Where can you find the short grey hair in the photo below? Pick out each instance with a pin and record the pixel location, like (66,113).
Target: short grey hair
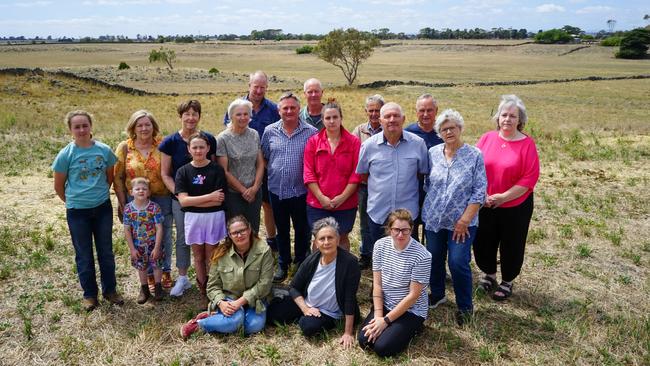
(258,74)
(239,103)
(377,98)
(312,81)
(391,105)
(426,96)
(508,101)
(449,115)
(326,222)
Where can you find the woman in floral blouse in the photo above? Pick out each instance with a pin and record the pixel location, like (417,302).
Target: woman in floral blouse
(139,156)
(455,193)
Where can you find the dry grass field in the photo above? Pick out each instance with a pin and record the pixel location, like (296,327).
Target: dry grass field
(582,297)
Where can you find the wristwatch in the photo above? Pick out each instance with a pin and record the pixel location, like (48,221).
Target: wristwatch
(387,320)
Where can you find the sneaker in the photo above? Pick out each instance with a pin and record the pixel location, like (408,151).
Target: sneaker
(167,281)
(159,293)
(189,328)
(182,284)
(463,317)
(114,298)
(151,282)
(144,295)
(280,275)
(435,302)
(90,303)
(365,262)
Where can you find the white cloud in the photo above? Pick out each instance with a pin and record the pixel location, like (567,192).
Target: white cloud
(120,2)
(594,9)
(394,2)
(549,8)
(31,4)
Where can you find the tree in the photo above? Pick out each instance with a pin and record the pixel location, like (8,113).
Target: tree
(346,49)
(165,55)
(574,31)
(634,44)
(553,36)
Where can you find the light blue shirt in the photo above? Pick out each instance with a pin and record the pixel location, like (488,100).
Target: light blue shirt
(321,292)
(85,170)
(392,173)
(453,185)
(284,155)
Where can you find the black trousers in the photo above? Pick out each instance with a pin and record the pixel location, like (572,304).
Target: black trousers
(286,311)
(395,338)
(505,230)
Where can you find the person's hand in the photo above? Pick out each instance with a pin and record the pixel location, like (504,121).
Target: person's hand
(374,329)
(249,194)
(120,212)
(218,196)
(496,200)
(325,202)
(135,255)
(461,231)
(347,341)
(336,202)
(312,312)
(156,253)
(227,307)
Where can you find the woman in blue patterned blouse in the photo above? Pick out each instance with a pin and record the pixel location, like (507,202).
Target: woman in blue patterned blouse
(456,190)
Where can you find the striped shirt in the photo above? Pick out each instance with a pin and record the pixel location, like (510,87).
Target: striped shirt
(284,155)
(400,268)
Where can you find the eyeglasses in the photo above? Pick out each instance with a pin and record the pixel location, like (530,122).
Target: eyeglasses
(238,232)
(448,129)
(288,95)
(404,231)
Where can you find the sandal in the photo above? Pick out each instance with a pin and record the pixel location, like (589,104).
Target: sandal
(503,292)
(487,283)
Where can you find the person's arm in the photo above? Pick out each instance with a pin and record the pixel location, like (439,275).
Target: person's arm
(166,172)
(109,176)
(350,189)
(232,181)
(322,199)
(59,184)
(262,287)
(157,250)
(347,339)
(376,325)
(206,200)
(119,174)
(129,241)
(513,193)
(306,310)
(461,231)
(214,287)
(350,306)
(415,289)
(259,175)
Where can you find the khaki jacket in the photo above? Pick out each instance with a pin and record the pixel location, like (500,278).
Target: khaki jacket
(231,278)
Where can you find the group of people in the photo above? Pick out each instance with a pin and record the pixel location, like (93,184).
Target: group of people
(302,168)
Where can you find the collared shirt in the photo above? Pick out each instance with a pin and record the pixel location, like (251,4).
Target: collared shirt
(430,138)
(316,121)
(235,277)
(267,114)
(453,185)
(364,131)
(332,172)
(392,174)
(284,155)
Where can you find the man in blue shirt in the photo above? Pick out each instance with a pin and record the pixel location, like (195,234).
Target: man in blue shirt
(264,113)
(426,108)
(283,146)
(392,162)
(311,113)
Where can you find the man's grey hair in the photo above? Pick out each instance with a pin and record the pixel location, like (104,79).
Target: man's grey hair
(375,99)
(312,81)
(258,74)
(426,96)
(391,105)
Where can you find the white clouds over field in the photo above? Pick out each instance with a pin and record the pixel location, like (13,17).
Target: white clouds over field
(167,17)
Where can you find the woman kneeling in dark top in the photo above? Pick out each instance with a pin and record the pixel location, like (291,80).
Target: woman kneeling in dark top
(324,290)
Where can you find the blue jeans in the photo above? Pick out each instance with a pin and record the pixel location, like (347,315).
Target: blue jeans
(441,246)
(295,210)
(165,203)
(84,225)
(245,316)
(363,220)
(183,256)
(376,232)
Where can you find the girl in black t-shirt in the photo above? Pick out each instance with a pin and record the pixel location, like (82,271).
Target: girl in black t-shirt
(200,187)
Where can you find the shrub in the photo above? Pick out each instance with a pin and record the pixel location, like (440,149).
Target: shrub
(213,70)
(612,41)
(123,66)
(304,49)
(634,44)
(553,36)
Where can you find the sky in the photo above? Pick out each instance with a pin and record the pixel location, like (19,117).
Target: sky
(200,17)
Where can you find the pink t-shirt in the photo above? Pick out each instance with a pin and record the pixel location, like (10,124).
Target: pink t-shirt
(509,163)
(332,172)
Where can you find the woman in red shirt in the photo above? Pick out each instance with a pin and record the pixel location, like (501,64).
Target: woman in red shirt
(329,172)
(512,169)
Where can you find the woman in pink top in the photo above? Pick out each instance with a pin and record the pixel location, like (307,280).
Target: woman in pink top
(329,172)
(512,169)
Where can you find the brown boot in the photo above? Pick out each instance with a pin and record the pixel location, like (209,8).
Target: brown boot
(204,295)
(159,293)
(145,294)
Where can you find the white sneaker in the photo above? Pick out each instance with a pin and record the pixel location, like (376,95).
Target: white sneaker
(182,284)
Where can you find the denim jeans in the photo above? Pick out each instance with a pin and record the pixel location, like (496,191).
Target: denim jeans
(295,210)
(84,225)
(441,246)
(165,203)
(183,256)
(376,232)
(245,316)
(363,221)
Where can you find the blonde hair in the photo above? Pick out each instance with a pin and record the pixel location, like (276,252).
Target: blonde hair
(130,126)
(140,180)
(399,214)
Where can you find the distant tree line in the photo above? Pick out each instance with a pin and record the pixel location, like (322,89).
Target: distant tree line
(476,33)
